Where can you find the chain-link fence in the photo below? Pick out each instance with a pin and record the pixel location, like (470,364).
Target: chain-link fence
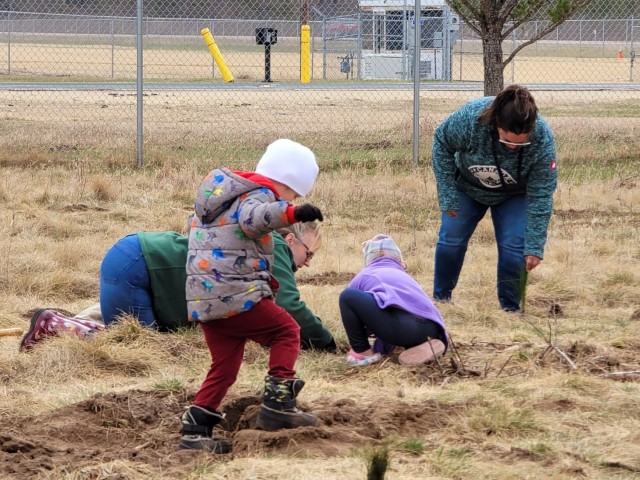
(68,67)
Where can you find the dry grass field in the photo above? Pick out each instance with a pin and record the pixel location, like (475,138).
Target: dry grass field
(502,405)
(187,59)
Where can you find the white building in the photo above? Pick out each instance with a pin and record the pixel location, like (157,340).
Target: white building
(389,39)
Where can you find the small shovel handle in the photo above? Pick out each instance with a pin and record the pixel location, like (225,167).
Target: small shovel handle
(6,332)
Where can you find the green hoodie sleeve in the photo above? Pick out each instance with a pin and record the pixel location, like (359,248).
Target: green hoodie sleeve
(312,332)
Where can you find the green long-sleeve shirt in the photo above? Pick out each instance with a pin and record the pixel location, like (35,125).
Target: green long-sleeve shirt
(312,332)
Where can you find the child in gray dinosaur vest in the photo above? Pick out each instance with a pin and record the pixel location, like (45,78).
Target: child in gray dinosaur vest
(230,288)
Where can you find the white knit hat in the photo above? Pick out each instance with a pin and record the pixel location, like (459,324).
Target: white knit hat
(291,164)
(381,246)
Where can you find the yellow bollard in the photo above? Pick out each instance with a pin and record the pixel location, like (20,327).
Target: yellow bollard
(217,56)
(305,54)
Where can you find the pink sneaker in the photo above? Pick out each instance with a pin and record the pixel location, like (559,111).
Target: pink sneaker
(424,353)
(40,328)
(359,360)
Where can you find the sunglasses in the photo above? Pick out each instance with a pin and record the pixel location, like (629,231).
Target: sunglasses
(514,144)
(309,253)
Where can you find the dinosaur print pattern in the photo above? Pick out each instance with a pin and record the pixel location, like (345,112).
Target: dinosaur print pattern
(240,260)
(230,244)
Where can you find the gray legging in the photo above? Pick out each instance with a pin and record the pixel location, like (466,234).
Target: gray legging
(361,315)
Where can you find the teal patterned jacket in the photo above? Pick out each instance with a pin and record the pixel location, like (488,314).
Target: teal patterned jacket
(230,252)
(463,157)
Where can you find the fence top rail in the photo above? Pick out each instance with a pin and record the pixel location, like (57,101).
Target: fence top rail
(289,86)
(157,19)
(631,18)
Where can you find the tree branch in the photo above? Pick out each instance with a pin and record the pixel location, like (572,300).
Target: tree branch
(550,28)
(471,16)
(506,10)
(549,342)
(623,375)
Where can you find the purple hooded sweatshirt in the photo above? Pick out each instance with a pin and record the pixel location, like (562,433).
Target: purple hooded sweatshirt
(391,286)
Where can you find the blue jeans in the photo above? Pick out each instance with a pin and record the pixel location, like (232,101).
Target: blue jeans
(361,315)
(125,286)
(509,222)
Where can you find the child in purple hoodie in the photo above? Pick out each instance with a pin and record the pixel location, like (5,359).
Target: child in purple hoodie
(385,301)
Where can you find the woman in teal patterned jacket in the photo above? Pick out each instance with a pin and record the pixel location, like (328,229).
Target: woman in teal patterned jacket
(494,153)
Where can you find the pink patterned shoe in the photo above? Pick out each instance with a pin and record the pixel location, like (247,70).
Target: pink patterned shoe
(424,353)
(358,360)
(40,328)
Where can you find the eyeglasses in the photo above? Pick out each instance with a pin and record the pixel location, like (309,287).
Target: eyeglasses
(309,252)
(514,144)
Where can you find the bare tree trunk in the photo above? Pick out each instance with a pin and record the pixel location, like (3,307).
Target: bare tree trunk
(493,71)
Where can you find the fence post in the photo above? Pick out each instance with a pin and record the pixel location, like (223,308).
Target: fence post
(580,39)
(417,44)
(359,46)
(139,85)
(213,60)
(602,38)
(461,37)
(324,48)
(405,39)
(113,47)
(9,22)
(626,33)
(313,48)
(513,60)
(632,31)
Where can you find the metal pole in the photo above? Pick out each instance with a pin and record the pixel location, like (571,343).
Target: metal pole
(213,60)
(324,48)
(446,44)
(359,44)
(580,35)
(9,45)
(139,89)
(417,14)
(513,60)
(267,62)
(461,36)
(405,40)
(304,12)
(632,32)
(113,47)
(602,38)
(313,49)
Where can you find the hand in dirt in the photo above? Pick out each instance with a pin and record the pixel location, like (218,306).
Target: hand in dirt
(531,262)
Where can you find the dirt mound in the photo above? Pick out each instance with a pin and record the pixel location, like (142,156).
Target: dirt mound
(141,429)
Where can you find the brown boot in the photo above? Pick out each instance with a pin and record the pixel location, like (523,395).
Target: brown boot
(279,406)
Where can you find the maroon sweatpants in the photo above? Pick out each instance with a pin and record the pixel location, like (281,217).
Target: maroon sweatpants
(267,324)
